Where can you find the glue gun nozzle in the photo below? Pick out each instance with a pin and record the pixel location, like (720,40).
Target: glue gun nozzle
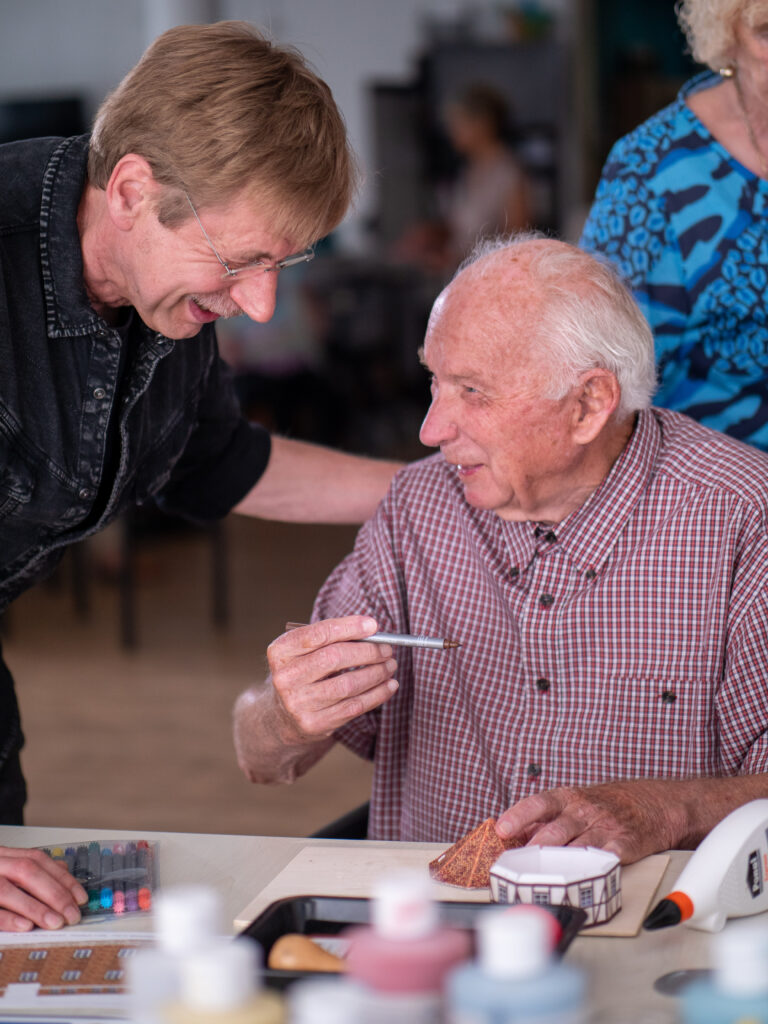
(663,915)
(450,643)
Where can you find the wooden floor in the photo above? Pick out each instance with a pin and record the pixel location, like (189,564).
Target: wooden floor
(142,739)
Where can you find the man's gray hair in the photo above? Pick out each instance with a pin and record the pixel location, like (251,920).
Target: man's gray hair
(589,317)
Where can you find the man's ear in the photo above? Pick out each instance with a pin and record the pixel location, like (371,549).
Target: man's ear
(597,396)
(130,189)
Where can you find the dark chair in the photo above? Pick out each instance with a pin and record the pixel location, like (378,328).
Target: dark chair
(81,573)
(352,825)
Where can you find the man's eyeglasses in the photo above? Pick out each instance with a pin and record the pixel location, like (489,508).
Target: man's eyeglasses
(230,272)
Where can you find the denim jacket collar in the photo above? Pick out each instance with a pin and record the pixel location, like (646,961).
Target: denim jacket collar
(69,312)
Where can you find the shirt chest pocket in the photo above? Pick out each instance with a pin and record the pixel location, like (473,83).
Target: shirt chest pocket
(638,726)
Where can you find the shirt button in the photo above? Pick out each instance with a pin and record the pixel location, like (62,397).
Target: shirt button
(546,600)
(668,697)
(550,536)
(99,393)
(590,574)
(514,572)
(542,684)
(84,493)
(534,770)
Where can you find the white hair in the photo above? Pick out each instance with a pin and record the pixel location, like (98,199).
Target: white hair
(710,27)
(589,318)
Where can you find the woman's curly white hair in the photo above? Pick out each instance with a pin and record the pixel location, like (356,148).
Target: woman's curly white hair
(710,27)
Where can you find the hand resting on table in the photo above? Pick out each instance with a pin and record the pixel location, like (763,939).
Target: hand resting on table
(36,890)
(632,818)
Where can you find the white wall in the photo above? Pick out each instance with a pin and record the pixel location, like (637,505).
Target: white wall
(86,46)
(350,43)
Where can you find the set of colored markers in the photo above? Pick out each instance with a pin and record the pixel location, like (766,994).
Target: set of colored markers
(118,876)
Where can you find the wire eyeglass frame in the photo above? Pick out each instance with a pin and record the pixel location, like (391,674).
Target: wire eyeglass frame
(235,272)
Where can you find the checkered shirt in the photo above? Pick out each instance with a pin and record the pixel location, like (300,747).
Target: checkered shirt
(630,640)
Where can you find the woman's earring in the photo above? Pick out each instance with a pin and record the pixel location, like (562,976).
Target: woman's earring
(727,72)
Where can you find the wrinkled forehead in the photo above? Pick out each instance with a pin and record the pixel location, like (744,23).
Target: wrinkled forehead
(493,313)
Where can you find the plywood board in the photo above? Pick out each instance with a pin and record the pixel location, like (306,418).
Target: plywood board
(330,870)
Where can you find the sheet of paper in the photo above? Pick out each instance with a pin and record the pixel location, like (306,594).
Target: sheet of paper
(16,1019)
(37,968)
(72,936)
(329,870)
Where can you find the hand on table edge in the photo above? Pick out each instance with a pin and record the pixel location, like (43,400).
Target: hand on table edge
(319,682)
(632,818)
(36,890)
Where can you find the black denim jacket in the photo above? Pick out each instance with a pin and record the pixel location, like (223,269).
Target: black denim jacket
(182,439)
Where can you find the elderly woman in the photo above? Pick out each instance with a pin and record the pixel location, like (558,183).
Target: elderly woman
(682,210)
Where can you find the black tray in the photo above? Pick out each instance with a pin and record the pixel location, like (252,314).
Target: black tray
(329,915)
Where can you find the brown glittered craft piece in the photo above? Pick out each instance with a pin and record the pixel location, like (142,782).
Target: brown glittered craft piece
(80,967)
(468,862)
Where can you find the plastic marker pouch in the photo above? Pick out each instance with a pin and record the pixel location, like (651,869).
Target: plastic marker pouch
(727,875)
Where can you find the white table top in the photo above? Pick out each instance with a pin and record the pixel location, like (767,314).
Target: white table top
(621,971)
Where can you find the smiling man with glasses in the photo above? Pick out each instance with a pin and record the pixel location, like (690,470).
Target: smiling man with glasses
(263,265)
(216,163)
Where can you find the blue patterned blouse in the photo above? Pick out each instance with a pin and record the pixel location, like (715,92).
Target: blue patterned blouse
(687,226)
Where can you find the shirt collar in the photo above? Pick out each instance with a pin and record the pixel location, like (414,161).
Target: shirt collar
(699,82)
(588,535)
(68,310)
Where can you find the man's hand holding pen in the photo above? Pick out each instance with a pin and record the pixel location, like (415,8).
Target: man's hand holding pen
(324,676)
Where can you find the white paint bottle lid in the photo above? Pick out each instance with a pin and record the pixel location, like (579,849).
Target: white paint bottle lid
(403,907)
(186,917)
(740,958)
(222,976)
(516,942)
(325,1001)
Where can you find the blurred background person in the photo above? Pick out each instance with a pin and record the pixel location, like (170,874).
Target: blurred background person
(490,192)
(680,209)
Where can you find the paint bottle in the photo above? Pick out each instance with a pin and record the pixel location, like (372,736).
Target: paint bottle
(186,918)
(737,991)
(402,960)
(220,984)
(516,979)
(725,877)
(326,1001)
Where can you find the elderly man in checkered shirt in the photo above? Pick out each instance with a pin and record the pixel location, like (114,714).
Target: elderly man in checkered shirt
(602,562)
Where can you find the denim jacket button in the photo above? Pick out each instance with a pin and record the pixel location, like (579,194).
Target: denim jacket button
(84,493)
(99,393)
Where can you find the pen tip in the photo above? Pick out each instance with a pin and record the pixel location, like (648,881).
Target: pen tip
(452,643)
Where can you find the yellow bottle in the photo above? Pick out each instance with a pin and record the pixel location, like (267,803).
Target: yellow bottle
(220,985)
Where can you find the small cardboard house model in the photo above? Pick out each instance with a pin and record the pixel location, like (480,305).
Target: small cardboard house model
(572,876)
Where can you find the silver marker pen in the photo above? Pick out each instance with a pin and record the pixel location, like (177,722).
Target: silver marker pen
(398,639)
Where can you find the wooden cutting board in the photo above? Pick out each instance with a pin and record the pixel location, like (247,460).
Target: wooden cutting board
(331,870)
